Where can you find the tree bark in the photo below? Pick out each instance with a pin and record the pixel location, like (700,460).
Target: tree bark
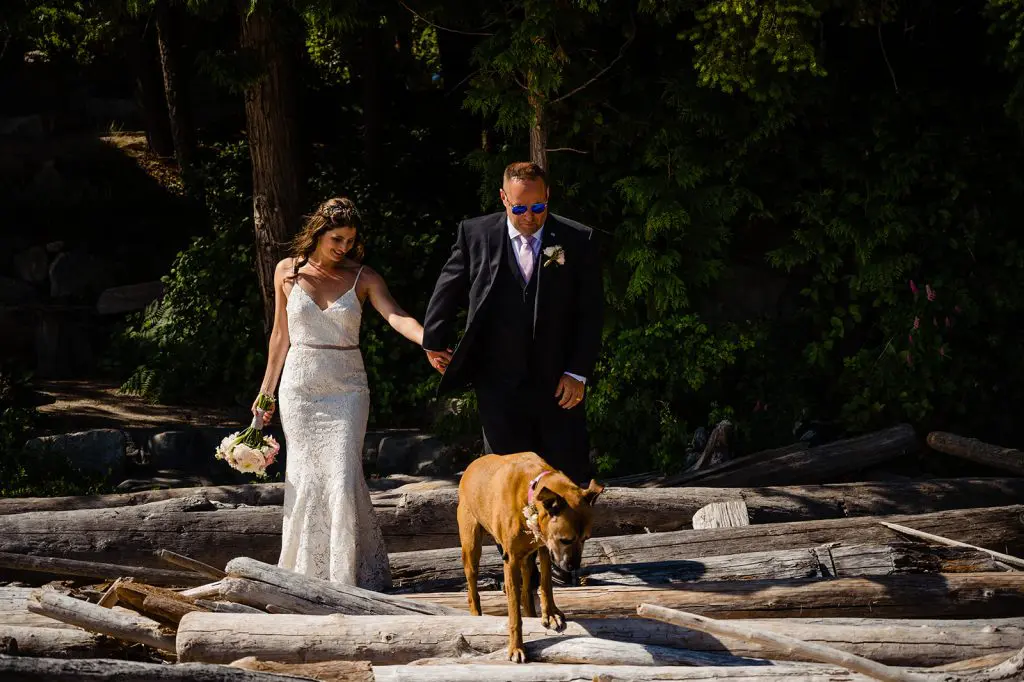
(964,595)
(538,126)
(16,668)
(270,125)
(1000,527)
(974,450)
(176,86)
(391,640)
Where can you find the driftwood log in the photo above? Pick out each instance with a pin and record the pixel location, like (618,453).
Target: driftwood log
(347,599)
(65,642)
(775,641)
(126,626)
(14,609)
(22,669)
(252,494)
(964,595)
(388,640)
(835,560)
(335,671)
(425,520)
(1000,528)
(814,465)
(93,569)
(974,450)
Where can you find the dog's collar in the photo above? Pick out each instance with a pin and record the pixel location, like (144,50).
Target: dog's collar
(531,490)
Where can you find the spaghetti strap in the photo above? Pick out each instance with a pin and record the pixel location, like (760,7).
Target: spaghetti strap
(357,277)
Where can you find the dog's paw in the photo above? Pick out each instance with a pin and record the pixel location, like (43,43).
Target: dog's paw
(554,620)
(517,654)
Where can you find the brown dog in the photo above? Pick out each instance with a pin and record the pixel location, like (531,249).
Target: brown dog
(528,508)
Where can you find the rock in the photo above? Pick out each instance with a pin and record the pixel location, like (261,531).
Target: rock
(173,449)
(128,298)
(22,126)
(74,274)
(433,458)
(419,453)
(99,451)
(32,265)
(15,292)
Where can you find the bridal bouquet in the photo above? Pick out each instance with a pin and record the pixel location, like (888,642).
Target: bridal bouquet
(249,451)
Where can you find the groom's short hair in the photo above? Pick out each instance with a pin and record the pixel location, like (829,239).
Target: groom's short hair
(525,170)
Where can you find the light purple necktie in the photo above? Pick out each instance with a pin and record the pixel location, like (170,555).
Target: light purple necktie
(526,256)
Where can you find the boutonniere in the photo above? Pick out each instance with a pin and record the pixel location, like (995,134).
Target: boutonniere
(555,254)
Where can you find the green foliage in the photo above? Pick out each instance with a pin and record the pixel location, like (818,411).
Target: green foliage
(652,378)
(25,474)
(203,341)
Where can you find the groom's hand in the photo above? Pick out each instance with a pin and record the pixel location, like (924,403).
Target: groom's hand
(569,392)
(439,359)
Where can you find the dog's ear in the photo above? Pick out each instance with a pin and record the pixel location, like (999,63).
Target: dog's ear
(552,501)
(592,492)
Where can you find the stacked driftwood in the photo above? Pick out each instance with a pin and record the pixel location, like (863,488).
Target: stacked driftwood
(798,579)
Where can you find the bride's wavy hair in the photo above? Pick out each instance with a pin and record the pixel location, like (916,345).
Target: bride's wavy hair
(332,214)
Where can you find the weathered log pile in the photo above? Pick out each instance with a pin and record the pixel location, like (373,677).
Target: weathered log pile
(806,580)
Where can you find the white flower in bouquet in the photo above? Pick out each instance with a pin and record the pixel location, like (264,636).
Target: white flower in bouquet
(249,451)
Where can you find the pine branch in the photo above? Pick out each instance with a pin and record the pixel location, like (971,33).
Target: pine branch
(622,52)
(438,26)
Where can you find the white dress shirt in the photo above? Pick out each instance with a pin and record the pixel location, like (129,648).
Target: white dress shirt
(517,239)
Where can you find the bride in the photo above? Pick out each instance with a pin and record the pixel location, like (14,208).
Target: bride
(329,530)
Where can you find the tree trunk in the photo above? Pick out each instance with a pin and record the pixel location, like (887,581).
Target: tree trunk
(951,595)
(270,125)
(373,90)
(251,494)
(538,126)
(14,610)
(974,450)
(145,58)
(176,86)
(997,527)
(391,640)
(16,668)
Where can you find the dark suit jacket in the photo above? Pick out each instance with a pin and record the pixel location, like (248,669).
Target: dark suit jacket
(568,311)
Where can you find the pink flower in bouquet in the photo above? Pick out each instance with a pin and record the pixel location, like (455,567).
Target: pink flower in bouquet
(270,449)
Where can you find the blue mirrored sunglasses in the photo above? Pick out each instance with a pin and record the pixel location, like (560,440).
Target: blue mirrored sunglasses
(519,209)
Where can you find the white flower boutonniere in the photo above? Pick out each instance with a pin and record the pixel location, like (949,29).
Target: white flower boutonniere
(555,254)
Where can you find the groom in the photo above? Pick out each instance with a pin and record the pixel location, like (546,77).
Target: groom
(532,281)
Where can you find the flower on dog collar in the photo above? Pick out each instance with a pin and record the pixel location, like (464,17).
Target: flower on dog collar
(530,510)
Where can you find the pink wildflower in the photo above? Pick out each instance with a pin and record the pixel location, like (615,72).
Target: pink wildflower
(913,287)
(930,292)
(948,323)
(917,323)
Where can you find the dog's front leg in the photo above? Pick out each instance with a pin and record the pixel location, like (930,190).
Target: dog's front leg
(513,590)
(529,607)
(551,617)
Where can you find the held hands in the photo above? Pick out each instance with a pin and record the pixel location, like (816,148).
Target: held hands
(439,359)
(268,411)
(569,392)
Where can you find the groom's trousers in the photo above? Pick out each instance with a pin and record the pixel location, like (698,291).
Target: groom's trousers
(527,418)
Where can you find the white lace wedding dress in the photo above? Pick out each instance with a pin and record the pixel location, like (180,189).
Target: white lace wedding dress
(330,530)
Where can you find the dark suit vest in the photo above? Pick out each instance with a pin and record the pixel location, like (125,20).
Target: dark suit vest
(505,352)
